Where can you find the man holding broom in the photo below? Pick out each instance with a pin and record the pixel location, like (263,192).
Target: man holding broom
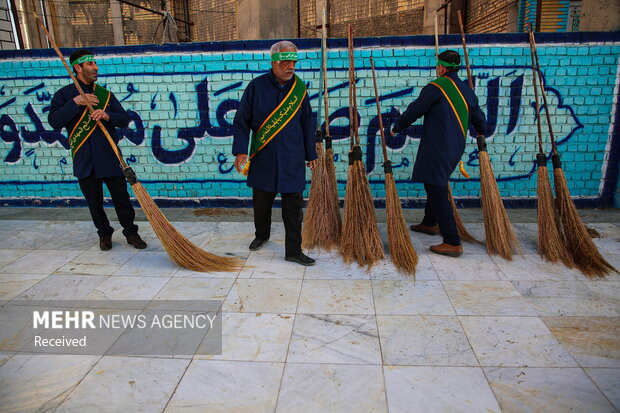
(276,110)
(94,161)
(448,105)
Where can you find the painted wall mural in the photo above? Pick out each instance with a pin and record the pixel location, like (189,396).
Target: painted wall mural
(182,100)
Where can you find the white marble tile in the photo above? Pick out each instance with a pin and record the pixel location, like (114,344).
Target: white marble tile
(545,390)
(16,326)
(261,266)
(40,382)
(7,256)
(331,388)
(135,384)
(411,298)
(349,339)
(608,382)
(40,262)
(514,341)
(148,264)
(563,298)
(466,267)
(263,296)
(592,341)
(424,340)
(608,291)
(533,267)
(11,289)
(17,224)
(195,289)
(63,287)
(487,298)
(253,337)
(438,389)
(97,262)
(53,236)
(228,386)
(127,288)
(336,297)
(332,267)
(608,245)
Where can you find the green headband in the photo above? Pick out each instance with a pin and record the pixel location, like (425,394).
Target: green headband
(446,64)
(278,57)
(87,58)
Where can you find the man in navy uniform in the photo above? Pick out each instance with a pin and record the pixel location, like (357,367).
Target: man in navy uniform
(94,161)
(448,106)
(275,110)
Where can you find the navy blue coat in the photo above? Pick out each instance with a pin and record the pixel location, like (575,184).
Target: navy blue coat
(280,166)
(96,154)
(442,144)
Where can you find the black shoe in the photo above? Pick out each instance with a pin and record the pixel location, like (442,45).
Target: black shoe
(257,243)
(301,258)
(105,243)
(136,241)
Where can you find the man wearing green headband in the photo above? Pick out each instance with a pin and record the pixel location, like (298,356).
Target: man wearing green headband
(274,120)
(94,162)
(448,106)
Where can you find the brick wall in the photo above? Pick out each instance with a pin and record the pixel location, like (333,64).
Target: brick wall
(195,88)
(485,16)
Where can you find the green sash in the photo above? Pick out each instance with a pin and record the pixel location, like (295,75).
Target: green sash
(277,120)
(456,100)
(85,126)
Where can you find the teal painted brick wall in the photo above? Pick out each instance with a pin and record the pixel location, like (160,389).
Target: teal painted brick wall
(167,92)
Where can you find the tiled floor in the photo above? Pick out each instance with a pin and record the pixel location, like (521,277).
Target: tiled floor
(473,334)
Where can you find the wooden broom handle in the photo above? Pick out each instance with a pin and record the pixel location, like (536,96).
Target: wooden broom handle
(324,69)
(540,145)
(374,82)
(81,91)
(352,91)
(471,82)
(542,92)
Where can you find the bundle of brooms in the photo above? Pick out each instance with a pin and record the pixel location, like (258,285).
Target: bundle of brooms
(180,250)
(402,252)
(499,233)
(582,249)
(551,244)
(360,240)
(464,235)
(322,227)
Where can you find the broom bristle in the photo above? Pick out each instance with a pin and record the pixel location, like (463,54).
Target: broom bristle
(360,240)
(460,227)
(322,224)
(500,236)
(584,252)
(181,250)
(402,252)
(551,244)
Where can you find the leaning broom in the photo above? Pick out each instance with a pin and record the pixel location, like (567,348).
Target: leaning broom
(180,250)
(360,240)
(551,243)
(322,226)
(402,252)
(500,236)
(583,251)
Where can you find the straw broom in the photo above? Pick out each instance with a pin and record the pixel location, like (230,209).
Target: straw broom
(322,225)
(464,235)
(551,244)
(402,252)
(582,249)
(360,240)
(500,236)
(180,250)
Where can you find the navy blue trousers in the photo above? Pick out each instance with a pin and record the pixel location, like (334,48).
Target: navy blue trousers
(439,212)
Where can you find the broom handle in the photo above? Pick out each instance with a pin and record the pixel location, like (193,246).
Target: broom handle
(374,82)
(544,95)
(540,145)
(79,88)
(320,112)
(352,91)
(324,70)
(469,78)
(436,39)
